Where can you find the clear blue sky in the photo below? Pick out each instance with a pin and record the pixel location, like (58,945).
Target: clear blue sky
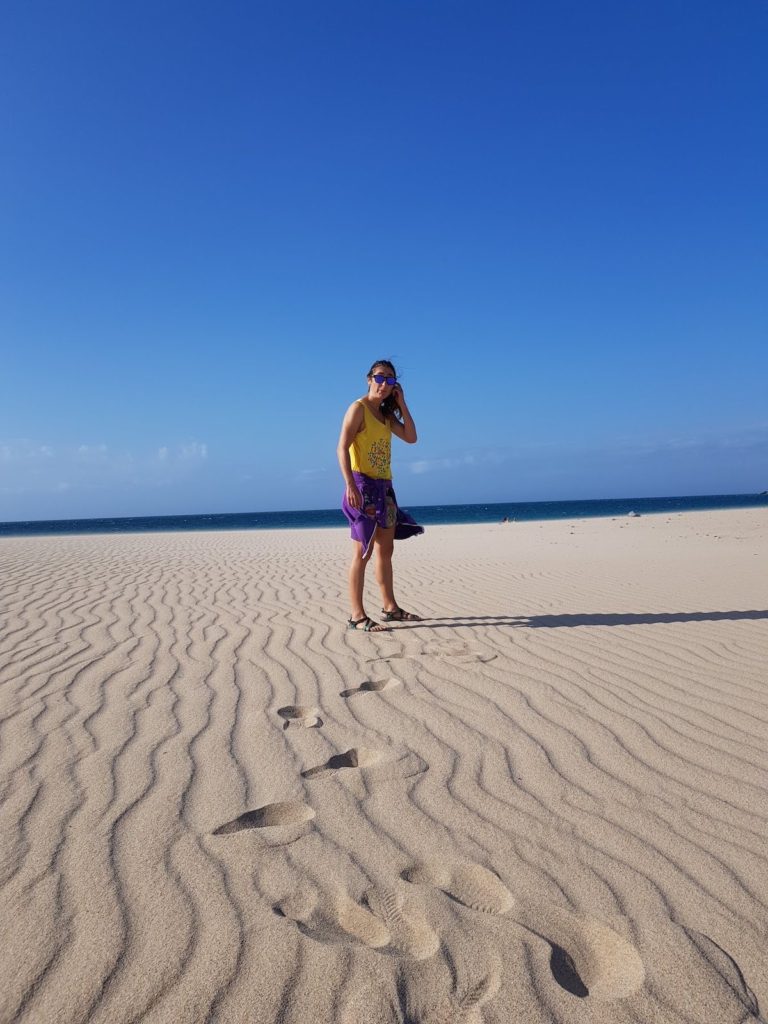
(213,217)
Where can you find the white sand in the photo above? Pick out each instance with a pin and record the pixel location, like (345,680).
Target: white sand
(546,803)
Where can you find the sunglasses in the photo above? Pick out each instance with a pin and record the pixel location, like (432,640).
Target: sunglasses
(381,379)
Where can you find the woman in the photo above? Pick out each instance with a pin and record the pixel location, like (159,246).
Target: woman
(369,501)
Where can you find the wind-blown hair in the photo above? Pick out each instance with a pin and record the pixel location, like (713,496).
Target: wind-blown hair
(389,407)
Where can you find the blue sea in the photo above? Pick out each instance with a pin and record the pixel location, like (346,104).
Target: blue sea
(427,515)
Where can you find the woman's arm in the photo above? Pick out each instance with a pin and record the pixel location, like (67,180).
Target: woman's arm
(406,430)
(352,425)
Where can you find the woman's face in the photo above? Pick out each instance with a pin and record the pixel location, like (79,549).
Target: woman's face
(376,390)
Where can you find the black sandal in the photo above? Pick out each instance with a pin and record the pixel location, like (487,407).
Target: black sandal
(369,627)
(399,615)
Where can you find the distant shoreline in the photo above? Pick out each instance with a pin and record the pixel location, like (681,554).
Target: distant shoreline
(428,515)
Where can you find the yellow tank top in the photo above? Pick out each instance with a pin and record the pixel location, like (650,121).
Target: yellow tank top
(370,452)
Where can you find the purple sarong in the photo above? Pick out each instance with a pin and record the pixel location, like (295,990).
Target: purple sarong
(363,521)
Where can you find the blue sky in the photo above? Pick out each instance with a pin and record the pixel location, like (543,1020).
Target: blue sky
(213,217)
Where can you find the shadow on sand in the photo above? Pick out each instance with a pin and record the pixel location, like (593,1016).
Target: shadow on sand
(593,619)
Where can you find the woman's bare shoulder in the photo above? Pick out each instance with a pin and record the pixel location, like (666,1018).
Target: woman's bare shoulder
(356,408)
(354,413)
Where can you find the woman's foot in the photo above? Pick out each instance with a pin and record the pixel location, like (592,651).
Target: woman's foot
(367,625)
(399,615)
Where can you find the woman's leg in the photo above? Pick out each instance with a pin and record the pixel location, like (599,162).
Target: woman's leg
(357,578)
(384,542)
(356,584)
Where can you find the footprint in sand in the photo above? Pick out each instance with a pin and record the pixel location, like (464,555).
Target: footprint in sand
(470,884)
(290,812)
(384,924)
(372,686)
(333,918)
(457,651)
(410,934)
(588,959)
(375,764)
(301,715)
(355,757)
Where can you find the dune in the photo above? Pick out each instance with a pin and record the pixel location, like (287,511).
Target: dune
(548,801)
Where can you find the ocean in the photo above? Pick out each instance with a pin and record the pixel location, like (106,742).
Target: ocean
(427,515)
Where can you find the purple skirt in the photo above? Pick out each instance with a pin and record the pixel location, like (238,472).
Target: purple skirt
(377,510)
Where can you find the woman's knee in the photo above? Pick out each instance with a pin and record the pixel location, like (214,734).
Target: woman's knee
(385,545)
(359,556)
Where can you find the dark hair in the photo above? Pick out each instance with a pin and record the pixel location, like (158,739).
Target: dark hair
(389,406)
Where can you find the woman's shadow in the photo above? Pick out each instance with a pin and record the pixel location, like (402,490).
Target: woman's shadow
(588,619)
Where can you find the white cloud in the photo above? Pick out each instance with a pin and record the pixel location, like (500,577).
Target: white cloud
(545,452)
(92,452)
(33,467)
(190,452)
(448,462)
(193,450)
(23,450)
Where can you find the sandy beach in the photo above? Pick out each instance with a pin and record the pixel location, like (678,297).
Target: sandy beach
(548,802)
